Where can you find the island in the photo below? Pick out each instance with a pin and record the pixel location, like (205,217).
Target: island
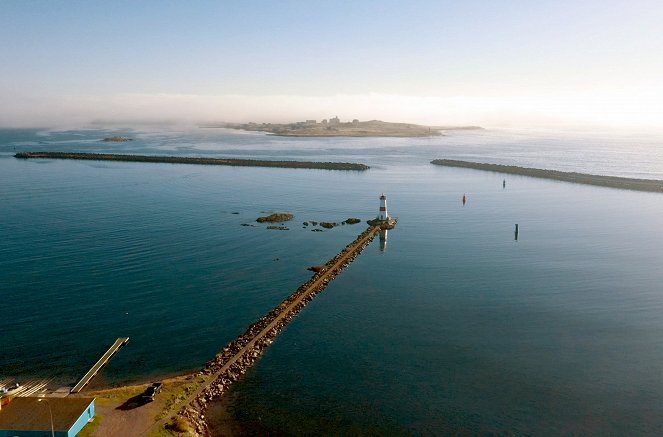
(652,185)
(190,160)
(116,139)
(334,127)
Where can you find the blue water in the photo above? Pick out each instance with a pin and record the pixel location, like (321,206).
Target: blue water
(455,328)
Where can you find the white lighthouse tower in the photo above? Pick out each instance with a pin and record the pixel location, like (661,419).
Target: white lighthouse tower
(383,220)
(383,208)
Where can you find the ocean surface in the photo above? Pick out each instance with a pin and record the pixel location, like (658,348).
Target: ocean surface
(455,327)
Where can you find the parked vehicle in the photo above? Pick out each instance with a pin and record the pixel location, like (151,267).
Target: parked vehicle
(152,391)
(10,390)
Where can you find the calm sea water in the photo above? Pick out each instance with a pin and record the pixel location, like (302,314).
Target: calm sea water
(455,327)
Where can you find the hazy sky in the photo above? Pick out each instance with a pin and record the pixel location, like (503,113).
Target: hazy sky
(483,62)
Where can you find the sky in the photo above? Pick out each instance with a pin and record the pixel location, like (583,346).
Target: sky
(470,62)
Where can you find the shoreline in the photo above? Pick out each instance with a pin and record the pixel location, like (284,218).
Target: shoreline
(649,185)
(191,160)
(188,396)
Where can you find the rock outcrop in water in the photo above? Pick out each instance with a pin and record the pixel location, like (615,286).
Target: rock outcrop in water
(278,217)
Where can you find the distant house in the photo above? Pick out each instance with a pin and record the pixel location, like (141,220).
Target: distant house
(310,122)
(31,416)
(355,122)
(334,120)
(324,122)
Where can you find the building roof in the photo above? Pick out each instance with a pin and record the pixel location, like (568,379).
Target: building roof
(31,413)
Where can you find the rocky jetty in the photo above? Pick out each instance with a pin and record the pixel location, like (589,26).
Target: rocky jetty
(198,161)
(389,223)
(578,178)
(238,356)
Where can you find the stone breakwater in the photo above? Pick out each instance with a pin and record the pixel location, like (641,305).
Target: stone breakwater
(236,358)
(198,161)
(652,185)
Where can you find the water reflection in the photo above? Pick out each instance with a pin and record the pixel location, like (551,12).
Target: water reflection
(383,240)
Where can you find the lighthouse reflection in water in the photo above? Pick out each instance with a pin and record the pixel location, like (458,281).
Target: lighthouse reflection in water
(383,240)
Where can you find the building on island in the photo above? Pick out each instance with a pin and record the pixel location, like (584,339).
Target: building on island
(42,417)
(334,120)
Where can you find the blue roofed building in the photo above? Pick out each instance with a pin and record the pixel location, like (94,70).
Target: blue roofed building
(37,416)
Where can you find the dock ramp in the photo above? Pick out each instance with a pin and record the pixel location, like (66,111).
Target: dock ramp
(105,358)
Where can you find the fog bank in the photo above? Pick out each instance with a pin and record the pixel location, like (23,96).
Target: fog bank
(16,111)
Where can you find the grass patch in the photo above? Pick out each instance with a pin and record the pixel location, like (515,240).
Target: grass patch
(113,396)
(89,429)
(178,393)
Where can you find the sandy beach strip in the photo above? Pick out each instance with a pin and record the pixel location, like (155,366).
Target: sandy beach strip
(651,185)
(192,160)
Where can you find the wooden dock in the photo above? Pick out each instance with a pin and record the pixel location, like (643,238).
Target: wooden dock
(105,358)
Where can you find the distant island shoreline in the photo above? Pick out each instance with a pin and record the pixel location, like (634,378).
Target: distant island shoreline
(190,160)
(650,185)
(335,128)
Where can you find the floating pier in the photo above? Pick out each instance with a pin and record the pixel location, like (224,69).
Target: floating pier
(105,358)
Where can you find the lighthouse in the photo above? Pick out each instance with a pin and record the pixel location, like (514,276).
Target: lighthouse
(383,220)
(383,208)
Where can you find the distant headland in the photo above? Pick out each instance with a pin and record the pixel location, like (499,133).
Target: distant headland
(191,160)
(334,127)
(652,185)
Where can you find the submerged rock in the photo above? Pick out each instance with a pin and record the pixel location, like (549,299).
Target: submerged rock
(117,139)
